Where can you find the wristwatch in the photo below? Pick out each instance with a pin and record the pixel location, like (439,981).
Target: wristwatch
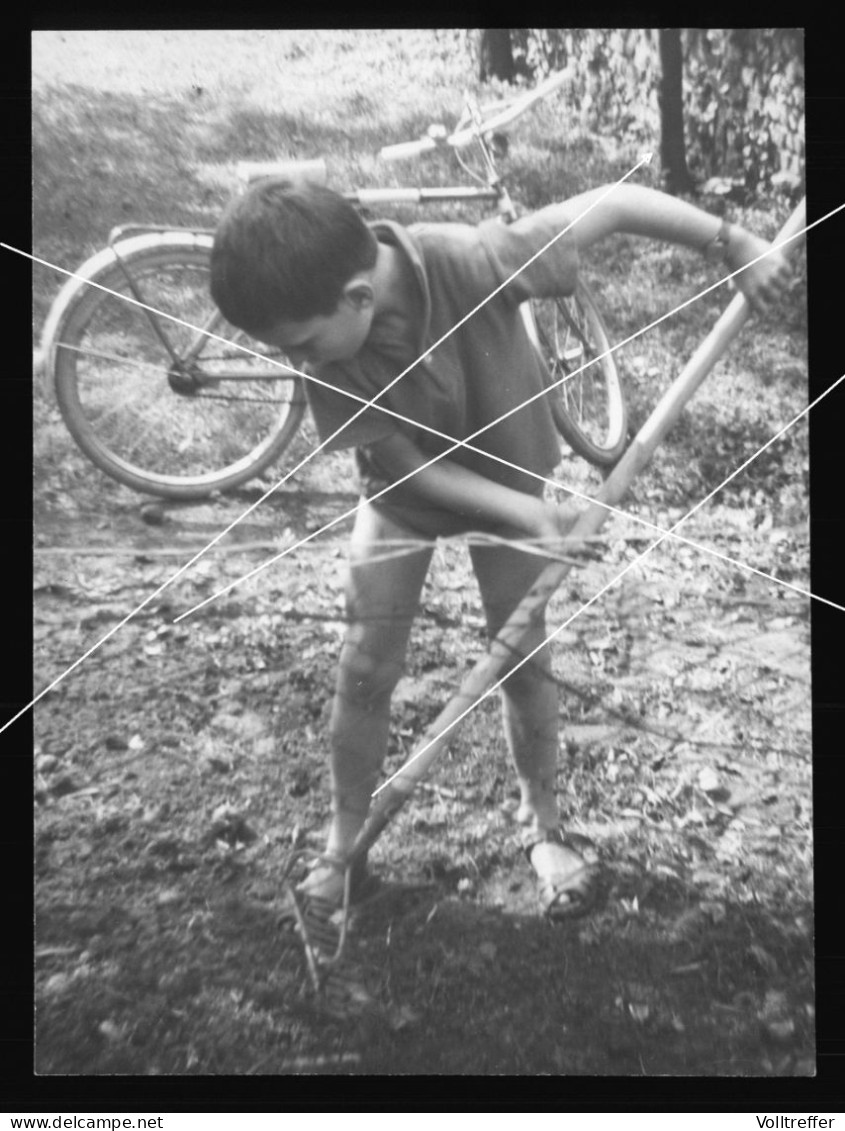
(714,250)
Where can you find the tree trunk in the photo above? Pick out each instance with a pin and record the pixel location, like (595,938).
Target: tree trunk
(495,54)
(673,155)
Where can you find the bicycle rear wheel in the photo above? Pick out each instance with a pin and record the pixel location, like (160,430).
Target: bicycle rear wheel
(154,403)
(588,405)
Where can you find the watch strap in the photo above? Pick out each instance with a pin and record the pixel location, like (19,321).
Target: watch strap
(714,249)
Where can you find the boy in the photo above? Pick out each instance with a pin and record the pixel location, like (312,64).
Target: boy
(296,267)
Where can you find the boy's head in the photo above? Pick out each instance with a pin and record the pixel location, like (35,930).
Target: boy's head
(292,265)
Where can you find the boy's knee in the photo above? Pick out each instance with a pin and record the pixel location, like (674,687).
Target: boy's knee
(364,677)
(521,677)
(518,682)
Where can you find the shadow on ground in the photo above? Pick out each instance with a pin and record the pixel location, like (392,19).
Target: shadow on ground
(209,977)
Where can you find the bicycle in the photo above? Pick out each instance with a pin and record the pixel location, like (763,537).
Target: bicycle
(166,409)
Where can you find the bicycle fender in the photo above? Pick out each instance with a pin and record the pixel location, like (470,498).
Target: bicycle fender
(85,276)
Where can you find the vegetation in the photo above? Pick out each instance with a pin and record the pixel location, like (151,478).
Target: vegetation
(743,100)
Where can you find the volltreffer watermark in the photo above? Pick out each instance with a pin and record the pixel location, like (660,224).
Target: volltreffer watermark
(777,1121)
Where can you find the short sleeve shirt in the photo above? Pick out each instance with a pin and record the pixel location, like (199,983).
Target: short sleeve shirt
(471,377)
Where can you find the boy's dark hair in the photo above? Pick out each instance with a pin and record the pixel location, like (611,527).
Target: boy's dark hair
(285,251)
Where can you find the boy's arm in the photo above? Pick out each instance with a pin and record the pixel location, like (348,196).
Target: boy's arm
(456,488)
(646,212)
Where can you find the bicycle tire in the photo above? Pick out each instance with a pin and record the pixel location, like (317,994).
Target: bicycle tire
(209,418)
(589,407)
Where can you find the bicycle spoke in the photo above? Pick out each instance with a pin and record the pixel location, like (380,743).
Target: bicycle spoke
(215,323)
(120,359)
(137,439)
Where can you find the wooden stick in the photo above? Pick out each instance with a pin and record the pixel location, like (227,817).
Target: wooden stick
(530,610)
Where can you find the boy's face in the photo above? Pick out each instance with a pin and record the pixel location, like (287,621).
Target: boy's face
(327,337)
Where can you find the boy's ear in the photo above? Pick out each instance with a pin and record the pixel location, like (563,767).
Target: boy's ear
(359,292)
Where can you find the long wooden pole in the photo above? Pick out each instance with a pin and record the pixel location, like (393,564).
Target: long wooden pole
(530,610)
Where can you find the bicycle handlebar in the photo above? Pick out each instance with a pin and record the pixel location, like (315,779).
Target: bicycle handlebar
(405,149)
(465,136)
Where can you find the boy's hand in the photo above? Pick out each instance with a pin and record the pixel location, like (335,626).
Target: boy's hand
(766,283)
(551,524)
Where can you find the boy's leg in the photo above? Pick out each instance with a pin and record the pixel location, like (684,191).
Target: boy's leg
(382,595)
(529,695)
(530,708)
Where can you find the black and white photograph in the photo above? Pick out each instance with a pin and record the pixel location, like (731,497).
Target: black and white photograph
(422,591)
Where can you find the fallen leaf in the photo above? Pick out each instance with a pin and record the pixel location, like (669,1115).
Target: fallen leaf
(63,785)
(763,959)
(781,1031)
(690,968)
(714,908)
(705,876)
(56,983)
(708,780)
(775,1004)
(402,1016)
(111,1031)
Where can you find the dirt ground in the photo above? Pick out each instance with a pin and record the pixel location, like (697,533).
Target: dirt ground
(179,766)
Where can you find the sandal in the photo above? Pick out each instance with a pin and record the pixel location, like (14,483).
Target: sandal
(567,895)
(327,878)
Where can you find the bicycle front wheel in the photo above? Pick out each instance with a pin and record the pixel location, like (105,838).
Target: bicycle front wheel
(172,408)
(588,405)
